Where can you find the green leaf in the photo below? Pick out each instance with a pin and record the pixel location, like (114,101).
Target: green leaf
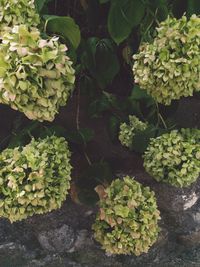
(88,54)
(138,94)
(98,106)
(23,136)
(123,16)
(193,7)
(88,197)
(141,139)
(113,127)
(101,104)
(53,130)
(64,26)
(81,136)
(100,59)
(97,173)
(107,64)
(103,1)
(39,4)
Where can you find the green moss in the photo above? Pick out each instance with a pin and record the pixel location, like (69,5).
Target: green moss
(127,222)
(34,179)
(174,157)
(168,68)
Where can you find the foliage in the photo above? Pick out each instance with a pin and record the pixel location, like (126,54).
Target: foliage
(15,12)
(64,26)
(123,16)
(36,75)
(127,222)
(100,60)
(174,157)
(34,179)
(128,131)
(168,68)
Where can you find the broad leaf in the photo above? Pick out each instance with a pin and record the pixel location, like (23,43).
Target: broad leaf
(123,16)
(66,27)
(100,59)
(141,139)
(193,7)
(103,1)
(97,174)
(81,136)
(39,4)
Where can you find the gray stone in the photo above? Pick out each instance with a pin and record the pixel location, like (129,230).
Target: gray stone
(84,239)
(57,240)
(191,239)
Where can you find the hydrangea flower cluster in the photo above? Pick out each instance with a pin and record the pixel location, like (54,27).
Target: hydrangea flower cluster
(174,157)
(16,12)
(127,222)
(34,179)
(128,131)
(36,76)
(169,68)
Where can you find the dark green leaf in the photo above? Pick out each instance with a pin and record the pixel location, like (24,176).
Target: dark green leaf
(96,174)
(113,127)
(141,139)
(53,130)
(98,106)
(81,136)
(107,64)
(100,59)
(64,26)
(138,94)
(40,4)
(88,196)
(123,16)
(88,55)
(22,137)
(193,7)
(103,1)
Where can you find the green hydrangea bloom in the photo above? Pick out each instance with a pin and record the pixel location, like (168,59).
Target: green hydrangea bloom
(127,222)
(174,157)
(36,76)
(128,131)
(15,12)
(169,68)
(34,179)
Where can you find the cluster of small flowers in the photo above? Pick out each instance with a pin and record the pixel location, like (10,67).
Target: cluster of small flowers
(36,75)
(169,67)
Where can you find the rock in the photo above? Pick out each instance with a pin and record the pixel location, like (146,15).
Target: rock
(84,239)
(188,221)
(57,240)
(12,253)
(192,239)
(188,115)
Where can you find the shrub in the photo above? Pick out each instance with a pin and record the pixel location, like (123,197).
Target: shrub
(15,12)
(174,157)
(34,179)
(36,76)
(128,218)
(127,131)
(168,68)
